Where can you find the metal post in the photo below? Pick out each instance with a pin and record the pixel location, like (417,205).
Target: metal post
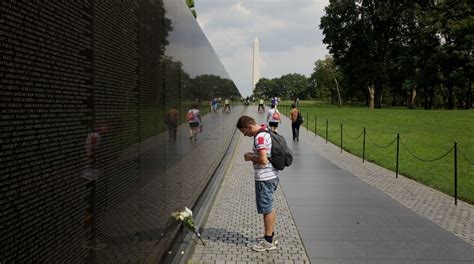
(341,137)
(327,122)
(455,173)
(307,121)
(398,153)
(363,148)
(315,126)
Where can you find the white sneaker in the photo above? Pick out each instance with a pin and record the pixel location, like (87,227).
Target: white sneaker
(275,241)
(263,245)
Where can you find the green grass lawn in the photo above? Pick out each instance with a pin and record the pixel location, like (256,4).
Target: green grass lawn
(427,134)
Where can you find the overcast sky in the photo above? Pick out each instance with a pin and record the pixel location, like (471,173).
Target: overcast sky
(288,32)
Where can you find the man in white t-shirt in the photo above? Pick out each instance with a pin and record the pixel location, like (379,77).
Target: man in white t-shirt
(266,178)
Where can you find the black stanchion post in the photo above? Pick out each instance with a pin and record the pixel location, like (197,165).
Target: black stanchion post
(363,148)
(455,173)
(315,128)
(307,121)
(327,122)
(398,152)
(341,137)
(315,119)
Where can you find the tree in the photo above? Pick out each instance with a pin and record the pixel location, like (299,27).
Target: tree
(455,20)
(361,36)
(312,85)
(288,85)
(190,4)
(265,88)
(403,48)
(328,77)
(413,63)
(209,85)
(292,85)
(175,80)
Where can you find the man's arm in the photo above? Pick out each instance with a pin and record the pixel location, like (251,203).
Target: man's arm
(261,158)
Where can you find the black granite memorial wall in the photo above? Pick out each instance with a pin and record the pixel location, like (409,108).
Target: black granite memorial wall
(88,172)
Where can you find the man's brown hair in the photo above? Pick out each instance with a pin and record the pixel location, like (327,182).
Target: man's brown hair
(245,121)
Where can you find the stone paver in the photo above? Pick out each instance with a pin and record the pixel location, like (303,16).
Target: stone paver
(430,203)
(233,223)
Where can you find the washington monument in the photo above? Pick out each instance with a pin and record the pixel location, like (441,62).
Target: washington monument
(256,64)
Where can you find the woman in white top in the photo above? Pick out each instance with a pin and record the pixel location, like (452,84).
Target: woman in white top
(194,119)
(273,118)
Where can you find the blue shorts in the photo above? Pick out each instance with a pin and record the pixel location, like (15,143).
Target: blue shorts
(264,195)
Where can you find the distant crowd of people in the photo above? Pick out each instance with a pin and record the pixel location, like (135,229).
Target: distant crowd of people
(194,119)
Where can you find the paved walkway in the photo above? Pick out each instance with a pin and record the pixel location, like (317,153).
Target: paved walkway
(342,211)
(233,223)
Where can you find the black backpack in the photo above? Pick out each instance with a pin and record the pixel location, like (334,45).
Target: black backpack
(281,155)
(300,118)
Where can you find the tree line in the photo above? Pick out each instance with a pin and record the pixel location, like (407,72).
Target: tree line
(179,85)
(405,52)
(397,49)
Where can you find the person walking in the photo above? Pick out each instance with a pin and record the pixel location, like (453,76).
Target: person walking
(266,178)
(226,106)
(273,118)
(295,123)
(214,104)
(171,120)
(261,106)
(275,101)
(194,119)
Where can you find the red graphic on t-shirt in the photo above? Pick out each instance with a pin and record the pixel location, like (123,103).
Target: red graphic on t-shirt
(261,140)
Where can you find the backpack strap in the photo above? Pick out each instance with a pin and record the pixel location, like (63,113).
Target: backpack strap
(262,130)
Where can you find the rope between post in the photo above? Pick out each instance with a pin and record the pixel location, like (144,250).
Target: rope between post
(375,144)
(353,138)
(465,157)
(423,159)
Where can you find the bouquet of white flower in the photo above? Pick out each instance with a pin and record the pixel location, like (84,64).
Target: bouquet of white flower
(186,217)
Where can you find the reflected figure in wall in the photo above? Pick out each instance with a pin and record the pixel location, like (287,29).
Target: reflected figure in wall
(171,120)
(194,119)
(95,140)
(198,102)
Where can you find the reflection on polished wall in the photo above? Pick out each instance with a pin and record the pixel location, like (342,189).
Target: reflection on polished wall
(88,171)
